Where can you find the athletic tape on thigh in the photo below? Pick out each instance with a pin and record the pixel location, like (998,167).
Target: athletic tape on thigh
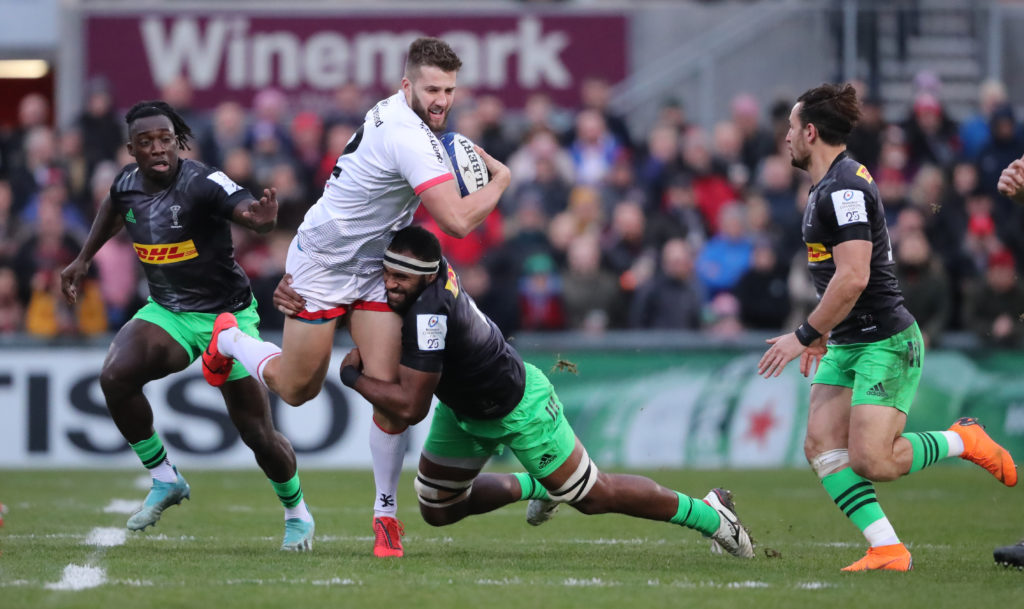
(441,493)
(578,484)
(830,462)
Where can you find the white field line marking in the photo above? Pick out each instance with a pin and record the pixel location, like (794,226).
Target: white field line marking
(122,506)
(77,577)
(83,577)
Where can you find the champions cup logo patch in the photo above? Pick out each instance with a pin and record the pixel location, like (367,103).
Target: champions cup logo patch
(863,173)
(452,285)
(816,252)
(166,253)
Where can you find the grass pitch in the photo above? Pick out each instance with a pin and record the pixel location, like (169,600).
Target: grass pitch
(65,532)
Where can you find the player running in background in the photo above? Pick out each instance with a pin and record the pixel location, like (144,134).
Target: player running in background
(489,398)
(868,374)
(393,162)
(1011,184)
(177,212)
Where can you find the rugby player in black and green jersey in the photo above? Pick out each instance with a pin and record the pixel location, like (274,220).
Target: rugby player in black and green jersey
(490,398)
(866,346)
(177,213)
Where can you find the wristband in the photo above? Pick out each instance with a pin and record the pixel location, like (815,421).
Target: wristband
(349,376)
(806,334)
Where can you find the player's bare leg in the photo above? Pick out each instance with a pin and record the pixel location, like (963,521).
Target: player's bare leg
(378,335)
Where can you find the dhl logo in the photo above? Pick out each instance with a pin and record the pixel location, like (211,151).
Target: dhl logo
(816,252)
(863,173)
(452,285)
(166,253)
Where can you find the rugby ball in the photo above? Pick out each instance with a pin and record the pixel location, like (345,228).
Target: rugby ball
(466,165)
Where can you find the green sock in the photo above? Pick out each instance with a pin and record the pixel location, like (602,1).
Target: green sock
(855,496)
(928,448)
(697,515)
(290,493)
(530,488)
(150,451)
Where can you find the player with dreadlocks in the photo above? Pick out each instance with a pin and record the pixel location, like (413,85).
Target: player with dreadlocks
(177,213)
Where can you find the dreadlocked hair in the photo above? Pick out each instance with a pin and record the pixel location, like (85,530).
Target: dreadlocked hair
(182,132)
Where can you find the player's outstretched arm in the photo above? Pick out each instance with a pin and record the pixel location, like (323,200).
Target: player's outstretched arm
(107,224)
(1011,181)
(458,216)
(258,215)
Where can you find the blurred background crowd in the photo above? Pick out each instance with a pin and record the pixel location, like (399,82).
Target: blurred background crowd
(602,228)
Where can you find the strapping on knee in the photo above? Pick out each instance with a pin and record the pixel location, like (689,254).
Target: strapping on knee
(579,483)
(441,493)
(830,461)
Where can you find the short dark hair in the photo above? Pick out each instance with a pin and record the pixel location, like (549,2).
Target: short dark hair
(832,109)
(143,109)
(418,242)
(431,52)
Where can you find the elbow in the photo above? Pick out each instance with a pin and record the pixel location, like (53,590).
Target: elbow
(455,229)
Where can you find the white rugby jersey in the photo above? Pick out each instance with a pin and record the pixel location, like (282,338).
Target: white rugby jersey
(374,189)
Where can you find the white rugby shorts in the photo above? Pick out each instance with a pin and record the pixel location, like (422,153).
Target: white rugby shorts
(330,293)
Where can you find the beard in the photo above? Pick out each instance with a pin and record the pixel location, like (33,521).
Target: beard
(426,117)
(799,163)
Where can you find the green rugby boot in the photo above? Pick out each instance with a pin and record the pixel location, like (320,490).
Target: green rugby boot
(161,496)
(298,535)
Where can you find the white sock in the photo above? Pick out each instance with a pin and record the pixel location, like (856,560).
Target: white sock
(388,452)
(956,443)
(251,352)
(881,533)
(300,511)
(164,472)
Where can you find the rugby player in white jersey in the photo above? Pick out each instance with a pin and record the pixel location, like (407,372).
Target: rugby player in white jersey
(392,163)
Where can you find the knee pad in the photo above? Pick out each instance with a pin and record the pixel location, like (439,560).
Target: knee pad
(579,483)
(441,493)
(830,461)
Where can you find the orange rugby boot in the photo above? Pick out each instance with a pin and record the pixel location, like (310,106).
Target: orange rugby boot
(895,557)
(217,367)
(388,532)
(981,449)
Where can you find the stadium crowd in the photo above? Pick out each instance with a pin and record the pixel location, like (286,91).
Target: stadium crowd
(678,227)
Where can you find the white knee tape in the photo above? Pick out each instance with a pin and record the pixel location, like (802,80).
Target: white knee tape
(441,493)
(830,461)
(578,484)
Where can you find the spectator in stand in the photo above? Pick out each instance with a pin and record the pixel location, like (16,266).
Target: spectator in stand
(41,166)
(115,262)
(679,216)
(620,183)
(627,250)
(596,94)
(728,154)
(539,144)
(981,240)
(925,285)
(540,113)
(594,149)
(1003,148)
(762,291)
(547,189)
(994,308)
(227,132)
(238,167)
(490,111)
(33,112)
(865,143)
(293,196)
(777,185)
(758,140)
(307,135)
(931,135)
(586,210)
(672,298)
(350,106)
(102,135)
(892,175)
(540,295)
(660,162)
(8,221)
(709,181)
(12,312)
(672,113)
(269,109)
(179,94)
(336,137)
(726,257)
(56,193)
(975,132)
(591,294)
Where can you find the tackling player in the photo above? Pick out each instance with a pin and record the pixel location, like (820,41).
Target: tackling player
(489,397)
(178,212)
(392,163)
(868,374)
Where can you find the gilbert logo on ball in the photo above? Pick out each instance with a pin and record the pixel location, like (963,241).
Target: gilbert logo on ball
(466,165)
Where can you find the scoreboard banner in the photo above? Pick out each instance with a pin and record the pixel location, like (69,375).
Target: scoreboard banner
(696,409)
(231,55)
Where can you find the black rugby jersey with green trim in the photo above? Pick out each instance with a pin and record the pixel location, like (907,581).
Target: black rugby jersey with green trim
(182,235)
(845,206)
(482,376)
